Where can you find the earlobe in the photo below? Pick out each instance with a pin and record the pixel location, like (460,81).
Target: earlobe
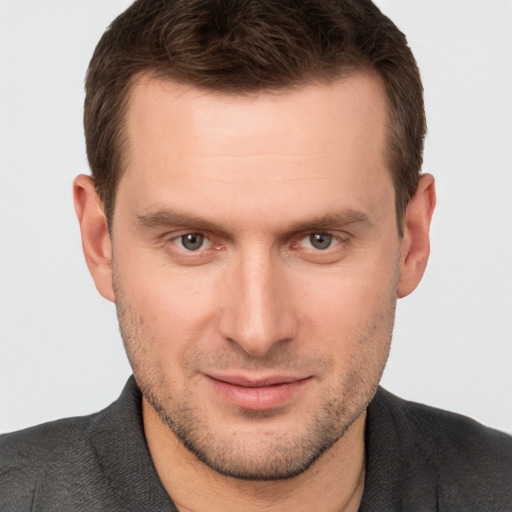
(415,244)
(96,242)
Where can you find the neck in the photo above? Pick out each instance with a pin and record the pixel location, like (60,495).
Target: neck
(334,483)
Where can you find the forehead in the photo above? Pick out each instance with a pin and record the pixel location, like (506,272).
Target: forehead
(290,145)
(357,102)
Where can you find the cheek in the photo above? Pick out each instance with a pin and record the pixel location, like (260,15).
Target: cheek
(350,297)
(172,309)
(352,311)
(162,291)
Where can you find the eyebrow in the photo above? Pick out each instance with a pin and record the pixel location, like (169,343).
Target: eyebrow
(340,218)
(168,218)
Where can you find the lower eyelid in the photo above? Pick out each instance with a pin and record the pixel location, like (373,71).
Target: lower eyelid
(336,240)
(176,240)
(210,245)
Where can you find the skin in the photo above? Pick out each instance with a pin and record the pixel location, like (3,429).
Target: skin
(258,351)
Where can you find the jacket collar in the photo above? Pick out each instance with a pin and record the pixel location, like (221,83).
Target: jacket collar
(399,472)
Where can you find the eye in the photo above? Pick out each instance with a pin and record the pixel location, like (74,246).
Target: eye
(322,247)
(319,241)
(192,241)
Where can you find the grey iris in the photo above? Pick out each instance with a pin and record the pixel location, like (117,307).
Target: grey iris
(320,240)
(192,241)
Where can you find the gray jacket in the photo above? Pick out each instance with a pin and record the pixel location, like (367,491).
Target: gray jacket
(418,459)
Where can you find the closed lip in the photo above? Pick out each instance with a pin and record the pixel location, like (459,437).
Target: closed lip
(256,381)
(257,392)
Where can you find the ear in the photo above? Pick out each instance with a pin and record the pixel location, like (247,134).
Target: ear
(95,237)
(415,244)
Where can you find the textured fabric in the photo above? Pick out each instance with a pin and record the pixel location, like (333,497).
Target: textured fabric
(418,459)
(424,459)
(93,463)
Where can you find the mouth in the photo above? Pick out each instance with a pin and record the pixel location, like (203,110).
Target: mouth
(255,393)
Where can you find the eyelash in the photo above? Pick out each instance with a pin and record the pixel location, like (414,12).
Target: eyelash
(176,240)
(332,239)
(330,254)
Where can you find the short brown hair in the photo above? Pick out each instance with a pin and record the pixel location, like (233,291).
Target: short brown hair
(241,46)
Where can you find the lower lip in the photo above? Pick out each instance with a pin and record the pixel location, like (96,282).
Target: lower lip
(258,398)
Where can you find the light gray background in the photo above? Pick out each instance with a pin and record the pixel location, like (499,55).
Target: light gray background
(60,351)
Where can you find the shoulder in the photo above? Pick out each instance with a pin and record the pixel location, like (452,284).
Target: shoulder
(39,443)
(457,435)
(60,448)
(96,462)
(472,463)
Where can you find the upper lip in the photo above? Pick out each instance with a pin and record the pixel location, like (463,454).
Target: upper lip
(255,382)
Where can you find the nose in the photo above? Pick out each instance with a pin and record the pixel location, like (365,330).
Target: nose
(257,306)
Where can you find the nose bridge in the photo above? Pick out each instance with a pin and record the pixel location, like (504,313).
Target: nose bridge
(256,313)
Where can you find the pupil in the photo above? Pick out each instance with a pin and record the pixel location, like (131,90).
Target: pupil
(192,241)
(320,240)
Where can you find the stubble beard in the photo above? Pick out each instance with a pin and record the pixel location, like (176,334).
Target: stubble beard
(279,455)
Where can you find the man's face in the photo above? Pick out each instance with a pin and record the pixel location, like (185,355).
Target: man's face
(256,261)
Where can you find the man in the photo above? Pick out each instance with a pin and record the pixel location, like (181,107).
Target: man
(256,208)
